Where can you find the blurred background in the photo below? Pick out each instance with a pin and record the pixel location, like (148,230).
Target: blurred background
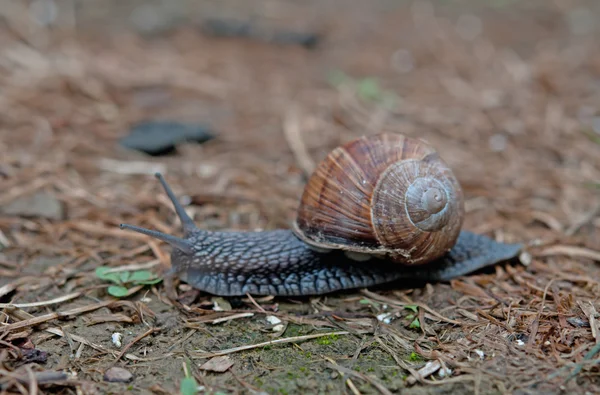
(237,100)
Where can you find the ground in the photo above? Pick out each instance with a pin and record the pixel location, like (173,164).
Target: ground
(507,91)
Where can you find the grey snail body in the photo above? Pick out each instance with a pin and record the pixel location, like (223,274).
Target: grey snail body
(400,218)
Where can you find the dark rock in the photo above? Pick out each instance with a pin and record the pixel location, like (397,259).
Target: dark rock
(237,28)
(34,355)
(162,137)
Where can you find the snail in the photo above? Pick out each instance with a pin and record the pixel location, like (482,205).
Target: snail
(377,209)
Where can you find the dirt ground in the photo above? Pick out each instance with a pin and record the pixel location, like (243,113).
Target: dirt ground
(507,91)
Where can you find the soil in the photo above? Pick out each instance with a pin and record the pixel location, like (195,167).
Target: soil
(507,91)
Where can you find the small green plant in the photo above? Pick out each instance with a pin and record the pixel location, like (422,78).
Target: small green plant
(124,279)
(188,385)
(415,324)
(327,340)
(414,357)
(414,308)
(368,89)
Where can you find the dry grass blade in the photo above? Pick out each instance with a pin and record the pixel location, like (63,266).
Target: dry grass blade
(293,134)
(137,339)
(570,251)
(60,299)
(134,267)
(51,316)
(426,371)
(394,302)
(586,219)
(268,343)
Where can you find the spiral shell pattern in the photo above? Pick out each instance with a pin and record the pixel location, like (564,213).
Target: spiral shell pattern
(386,195)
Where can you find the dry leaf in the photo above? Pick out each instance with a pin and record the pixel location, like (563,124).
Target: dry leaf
(218,364)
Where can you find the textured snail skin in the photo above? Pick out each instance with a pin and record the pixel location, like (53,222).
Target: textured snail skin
(278,263)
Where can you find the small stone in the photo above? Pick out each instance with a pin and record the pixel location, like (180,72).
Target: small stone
(218,364)
(498,142)
(161,137)
(118,375)
(403,61)
(42,204)
(220,304)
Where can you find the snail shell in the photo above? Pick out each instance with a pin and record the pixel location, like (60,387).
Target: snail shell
(385,195)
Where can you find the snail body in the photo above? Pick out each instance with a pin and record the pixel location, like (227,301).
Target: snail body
(376,210)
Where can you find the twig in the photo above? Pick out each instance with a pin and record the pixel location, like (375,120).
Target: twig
(134,266)
(291,129)
(254,303)
(187,336)
(571,251)
(402,304)
(231,317)
(45,377)
(137,339)
(80,339)
(427,370)
(51,316)
(368,379)
(587,218)
(42,303)
(578,367)
(33,383)
(269,343)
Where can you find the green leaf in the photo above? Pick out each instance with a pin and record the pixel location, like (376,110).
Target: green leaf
(411,307)
(188,386)
(368,89)
(117,291)
(101,273)
(415,324)
(124,277)
(141,275)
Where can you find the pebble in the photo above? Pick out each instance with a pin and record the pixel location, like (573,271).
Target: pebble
(218,364)
(118,375)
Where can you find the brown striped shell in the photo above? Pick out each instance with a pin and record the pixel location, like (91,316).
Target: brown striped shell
(382,195)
